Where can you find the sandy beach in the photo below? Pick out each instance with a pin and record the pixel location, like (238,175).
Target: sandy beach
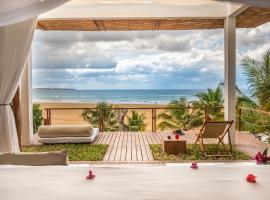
(70,115)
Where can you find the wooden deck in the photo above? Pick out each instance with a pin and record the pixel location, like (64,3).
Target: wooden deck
(133,147)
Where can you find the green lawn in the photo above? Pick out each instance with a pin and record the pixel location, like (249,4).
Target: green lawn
(195,154)
(76,152)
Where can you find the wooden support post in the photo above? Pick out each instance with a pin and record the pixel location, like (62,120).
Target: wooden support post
(50,117)
(16,106)
(48,120)
(154,121)
(239,119)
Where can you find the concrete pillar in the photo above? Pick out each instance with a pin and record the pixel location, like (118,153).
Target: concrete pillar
(26,104)
(230,71)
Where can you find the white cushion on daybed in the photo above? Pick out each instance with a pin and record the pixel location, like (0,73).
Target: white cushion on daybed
(89,139)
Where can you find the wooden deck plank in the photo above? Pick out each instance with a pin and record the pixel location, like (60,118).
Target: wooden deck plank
(129,147)
(154,137)
(111,145)
(115,147)
(106,138)
(147,147)
(119,147)
(133,148)
(108,153)
(124,147)
(149,138)
(110,136)
(143,146)
(100,134)
(138,147)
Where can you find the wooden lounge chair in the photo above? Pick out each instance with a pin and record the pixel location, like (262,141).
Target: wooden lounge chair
(215,130)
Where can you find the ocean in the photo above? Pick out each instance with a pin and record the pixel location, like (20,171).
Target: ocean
(158,96)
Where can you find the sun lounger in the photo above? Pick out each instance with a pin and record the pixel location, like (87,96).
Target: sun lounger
(215,130)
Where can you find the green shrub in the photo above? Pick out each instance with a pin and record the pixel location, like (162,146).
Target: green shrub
(37,117)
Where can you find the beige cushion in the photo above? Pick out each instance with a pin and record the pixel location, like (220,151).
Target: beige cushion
(35,159)
(54,131)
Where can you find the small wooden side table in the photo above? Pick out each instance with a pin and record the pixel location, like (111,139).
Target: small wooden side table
(174,146)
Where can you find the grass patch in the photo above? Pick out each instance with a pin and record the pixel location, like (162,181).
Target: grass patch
(76,152)
(196,154)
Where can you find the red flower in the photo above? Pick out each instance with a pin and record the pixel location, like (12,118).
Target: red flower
(251,178)
(90,175)
(194,165)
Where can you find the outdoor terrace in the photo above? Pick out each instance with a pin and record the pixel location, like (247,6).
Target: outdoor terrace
(135,147)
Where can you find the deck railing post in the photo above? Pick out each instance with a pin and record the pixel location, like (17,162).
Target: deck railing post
(101,123)
(205,114)
(154,120)
(239,119)
(47,120)
(50,117)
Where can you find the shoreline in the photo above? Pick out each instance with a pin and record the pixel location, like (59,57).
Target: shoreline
(53,104)
(89,102)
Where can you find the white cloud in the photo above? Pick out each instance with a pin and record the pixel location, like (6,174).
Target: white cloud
(147,59)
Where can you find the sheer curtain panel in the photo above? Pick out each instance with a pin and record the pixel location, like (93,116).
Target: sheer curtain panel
(15,42)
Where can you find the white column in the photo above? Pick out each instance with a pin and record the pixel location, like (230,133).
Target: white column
(26,103)
(230,71)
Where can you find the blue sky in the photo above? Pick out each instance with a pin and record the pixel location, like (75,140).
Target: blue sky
(140,60)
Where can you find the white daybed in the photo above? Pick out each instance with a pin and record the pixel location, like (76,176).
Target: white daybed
(67,134)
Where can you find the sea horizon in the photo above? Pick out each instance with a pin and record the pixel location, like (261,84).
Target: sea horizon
(119,96)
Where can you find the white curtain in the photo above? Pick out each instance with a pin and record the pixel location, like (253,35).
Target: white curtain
(15,42)
(13,11)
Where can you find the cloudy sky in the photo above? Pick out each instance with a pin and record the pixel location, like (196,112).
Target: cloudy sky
(139,60)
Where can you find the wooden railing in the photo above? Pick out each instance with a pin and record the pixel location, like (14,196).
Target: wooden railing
(239,114)
(48,113)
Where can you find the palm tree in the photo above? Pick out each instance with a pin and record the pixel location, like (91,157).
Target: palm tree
(136,121)
(105,111)
(178,116)
(212,101)
(258,77)
(243,100)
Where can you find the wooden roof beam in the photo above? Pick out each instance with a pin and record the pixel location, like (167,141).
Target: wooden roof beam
(41,27)
(100,25)
(157,24)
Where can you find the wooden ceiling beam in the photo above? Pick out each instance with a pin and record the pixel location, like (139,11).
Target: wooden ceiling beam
(100,25)
(41,27)
(157,24)
(250,18)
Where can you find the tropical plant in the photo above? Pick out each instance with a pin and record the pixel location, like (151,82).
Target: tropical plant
(211,100)
(178,116)
(243,100)
(102,111)
(136,122)
(37,117)
(258,77)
